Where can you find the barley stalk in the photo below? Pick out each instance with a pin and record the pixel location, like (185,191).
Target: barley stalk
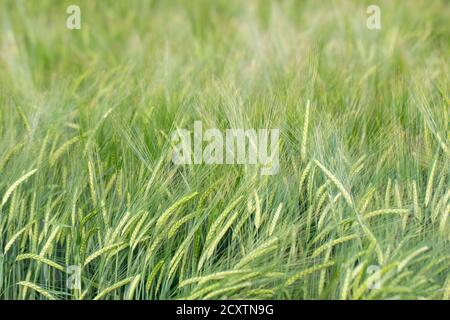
(49,241)
(387,196)
(215,241)
(337,183)
(14,238)
(275,219)
(376,276)
(213,228)
(166,214)
(264,248)
(15,185)
(443,221)
(100,252)
(366,200)
(405,261)
(307,272)
(114,287)
(257,211)
(430,184)
(132,288)
(305,131)
(137,229)
(213,276)
(346,285)
(446,290)
(173,230)
(417,211)
(332,243)
(40,259)
(323,272)
(37,288)
(153,274)
(10,154)
(304,175)
(227,289)
(381,212)
(61,150)
(92,183)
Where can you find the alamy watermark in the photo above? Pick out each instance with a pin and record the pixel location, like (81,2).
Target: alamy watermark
(74,19)
(73,280)
(373,21)
(233,146)
(71,277)
(374,280)
(73,22)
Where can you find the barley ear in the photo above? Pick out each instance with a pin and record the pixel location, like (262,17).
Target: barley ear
(37,288)
(336,182)
(305,131)
(15,185)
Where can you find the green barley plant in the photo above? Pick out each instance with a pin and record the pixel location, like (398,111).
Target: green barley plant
(92,205)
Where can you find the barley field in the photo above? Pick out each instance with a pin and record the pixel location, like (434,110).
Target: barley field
(93,207)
